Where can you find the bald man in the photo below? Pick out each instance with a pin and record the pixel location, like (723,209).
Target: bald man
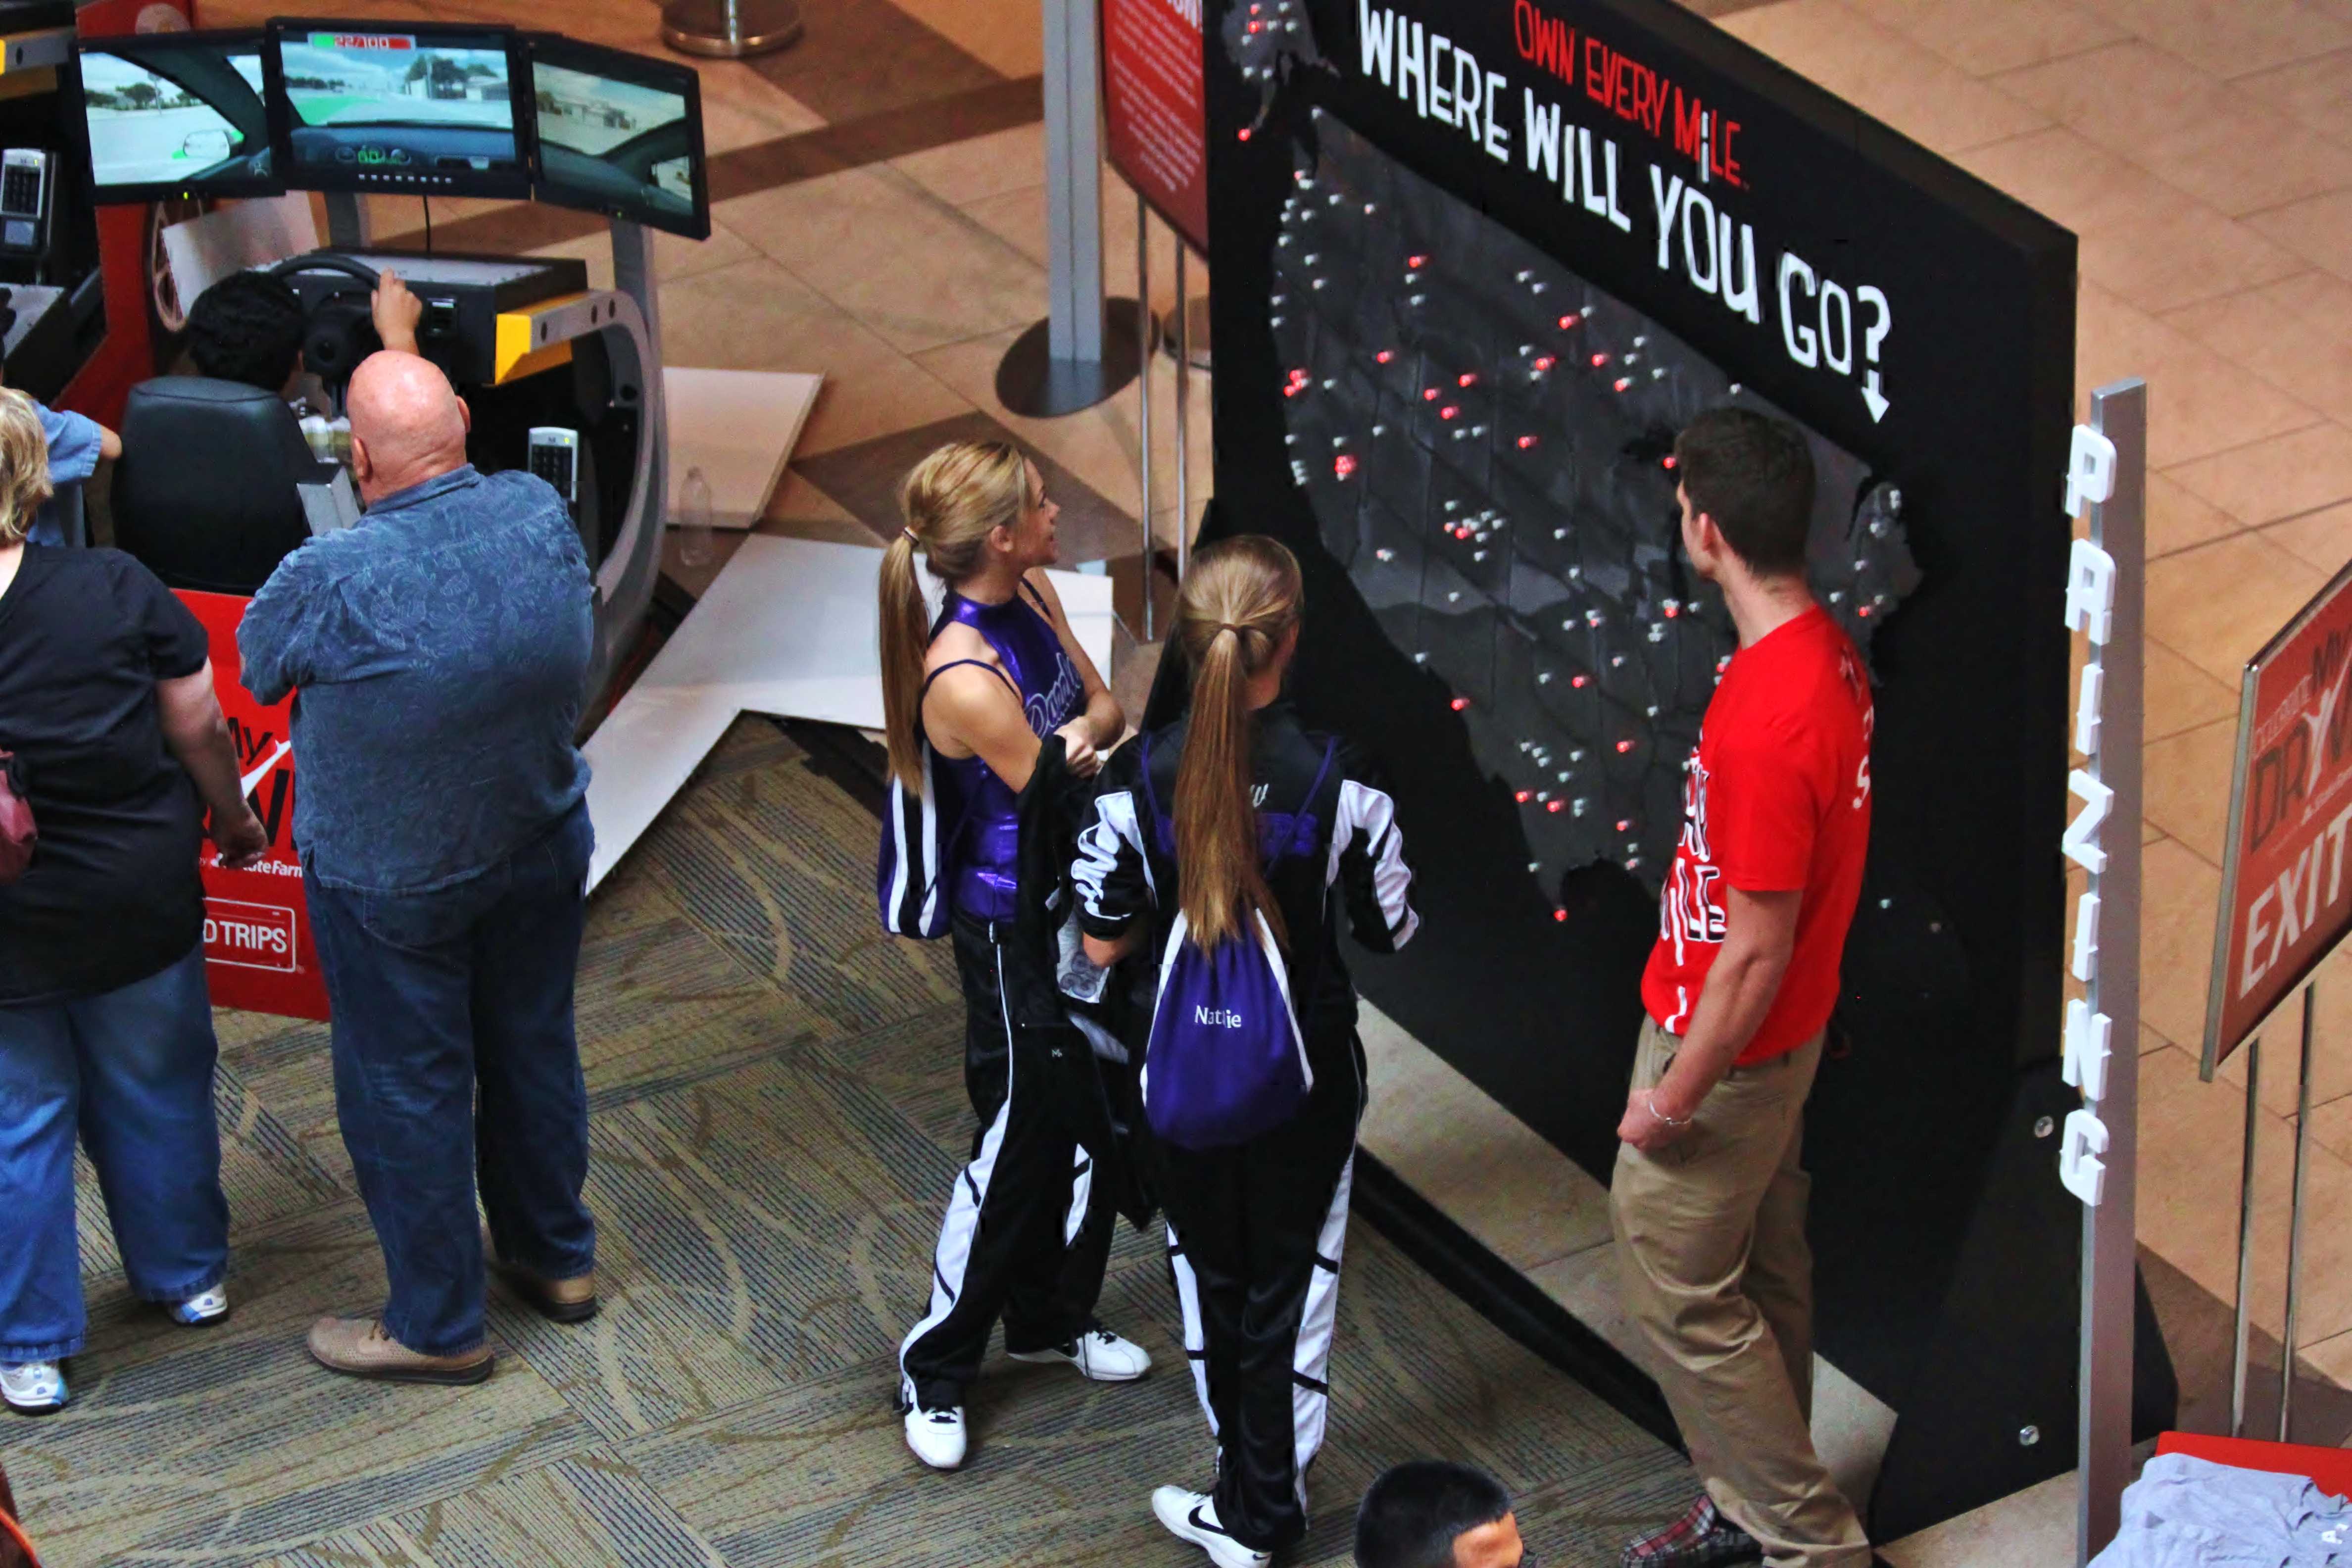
(439,650)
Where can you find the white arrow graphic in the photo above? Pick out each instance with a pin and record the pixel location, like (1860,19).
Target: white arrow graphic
(262,768)
(1875,398)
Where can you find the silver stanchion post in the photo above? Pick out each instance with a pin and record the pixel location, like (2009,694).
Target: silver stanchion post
(2294,1219)
(2239,1341)
(1143,388)
(730,29)
(1183,428)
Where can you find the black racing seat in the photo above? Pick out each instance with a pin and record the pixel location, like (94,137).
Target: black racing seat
(205,493)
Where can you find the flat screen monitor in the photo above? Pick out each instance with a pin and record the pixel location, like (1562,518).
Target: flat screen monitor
(619,134)
(424,108)
(173,114)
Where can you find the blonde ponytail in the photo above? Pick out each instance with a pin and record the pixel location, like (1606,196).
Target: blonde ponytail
(1240,600)
(950,501)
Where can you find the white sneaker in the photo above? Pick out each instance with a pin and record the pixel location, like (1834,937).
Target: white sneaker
(937,1437)
(1192,1516)
(202,1308)
(34,1387)
(1098,1355)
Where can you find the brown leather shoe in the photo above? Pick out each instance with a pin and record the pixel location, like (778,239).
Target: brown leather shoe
(558,1300)
(359,1347)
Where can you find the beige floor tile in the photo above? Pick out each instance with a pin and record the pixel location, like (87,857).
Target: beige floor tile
(2035,1526)
(2311,92)
(674,256)
(2178,891)
(2233,38)
(2218,603)
(755,315)
(917,271)
(1004,33)
(2199,402)
(2323,538)
(2295,333)
(2178,696)
(2174,253)
(987,165)
(2286,476)
(2331,1126)
(1459,1148)
(801,511)
(2317,228)
(2066,177)
(1018,218)
(2178,521)
(2332,1358)
(2183,126)
(2187,785)
(2189,1137)
(739,93)
(1982,39)
(880,398)
(1912,89)
(1586,1283)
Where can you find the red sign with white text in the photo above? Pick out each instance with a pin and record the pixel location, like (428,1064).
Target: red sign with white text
(1152,111)
(2285,901)
(259,953)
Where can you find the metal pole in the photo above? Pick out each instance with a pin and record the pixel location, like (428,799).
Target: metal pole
(1143,385)
(1183,428)
(2110,1247)
(1074,181)
(2294,1217)
(2240,1334)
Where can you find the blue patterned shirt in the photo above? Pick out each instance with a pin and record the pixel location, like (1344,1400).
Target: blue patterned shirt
(439,650)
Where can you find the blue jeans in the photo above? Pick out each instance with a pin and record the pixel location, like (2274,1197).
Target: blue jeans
(133,1067)
(454,1052)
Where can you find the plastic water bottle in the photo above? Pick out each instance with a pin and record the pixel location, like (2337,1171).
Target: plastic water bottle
(695,546)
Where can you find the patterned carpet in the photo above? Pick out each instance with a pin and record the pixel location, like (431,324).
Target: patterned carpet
(778,1113)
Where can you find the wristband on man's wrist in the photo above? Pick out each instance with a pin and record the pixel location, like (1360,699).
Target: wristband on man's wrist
(1650,1104)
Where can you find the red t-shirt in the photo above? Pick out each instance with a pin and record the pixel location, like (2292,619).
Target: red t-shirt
(1778,800)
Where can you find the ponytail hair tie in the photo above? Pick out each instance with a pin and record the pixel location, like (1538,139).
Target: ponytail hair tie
(912,537)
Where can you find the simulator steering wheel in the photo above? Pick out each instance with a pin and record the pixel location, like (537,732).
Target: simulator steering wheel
(340,332)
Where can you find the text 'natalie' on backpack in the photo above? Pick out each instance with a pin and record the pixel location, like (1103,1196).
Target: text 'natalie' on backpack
(1225,1059)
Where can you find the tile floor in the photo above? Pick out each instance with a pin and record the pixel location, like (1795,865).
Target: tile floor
(2201,148)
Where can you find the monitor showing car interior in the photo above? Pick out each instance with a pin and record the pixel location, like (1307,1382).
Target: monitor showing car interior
(619,134)
(176,114)
(423,111)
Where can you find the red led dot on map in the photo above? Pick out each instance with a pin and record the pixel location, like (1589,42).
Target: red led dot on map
(1568,321)
(1343,465)
(1460,703)
(1385,356)
(1624,381)
(1469,378)
(1545,362)
(1625,746)
(1554,805)
(1599,360)
(1521,797)
(1526,442)
(1559,914)
(1448,412)
(1430,396)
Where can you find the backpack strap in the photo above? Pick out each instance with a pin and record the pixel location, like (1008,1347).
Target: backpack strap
(1303,824)
(1163,830)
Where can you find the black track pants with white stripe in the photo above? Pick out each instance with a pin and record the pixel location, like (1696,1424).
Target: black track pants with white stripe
(1028,1230)
(1255,1233)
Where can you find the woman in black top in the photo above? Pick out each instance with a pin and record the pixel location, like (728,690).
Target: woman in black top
(1254,1229)
(106,698)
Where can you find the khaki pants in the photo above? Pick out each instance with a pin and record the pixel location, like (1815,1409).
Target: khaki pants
(1711,1251)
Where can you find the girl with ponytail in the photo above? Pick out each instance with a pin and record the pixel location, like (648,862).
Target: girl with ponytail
(1237,814)
(968,695)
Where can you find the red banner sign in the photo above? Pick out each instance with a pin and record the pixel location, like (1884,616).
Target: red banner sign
(1152,111)
(2285,899)
(258,949)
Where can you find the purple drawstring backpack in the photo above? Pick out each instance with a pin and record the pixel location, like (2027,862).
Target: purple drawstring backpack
(1225,1059)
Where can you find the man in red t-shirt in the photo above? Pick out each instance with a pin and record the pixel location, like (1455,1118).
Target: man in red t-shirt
(1708,1197)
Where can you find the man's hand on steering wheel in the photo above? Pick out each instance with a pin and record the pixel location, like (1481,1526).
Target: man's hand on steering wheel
(397,311)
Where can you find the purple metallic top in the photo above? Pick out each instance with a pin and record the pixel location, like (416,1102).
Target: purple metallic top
(985,879)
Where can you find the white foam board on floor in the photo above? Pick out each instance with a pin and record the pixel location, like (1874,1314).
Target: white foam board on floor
(788,628)
(739,426)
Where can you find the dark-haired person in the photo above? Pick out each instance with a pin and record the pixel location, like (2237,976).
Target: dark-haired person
(1708,1197)
(1433,1513)
(248,326)
(1255,1228)
(968,700)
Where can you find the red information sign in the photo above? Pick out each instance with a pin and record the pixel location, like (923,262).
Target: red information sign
(2285,899)
(258,949)
(1152,111)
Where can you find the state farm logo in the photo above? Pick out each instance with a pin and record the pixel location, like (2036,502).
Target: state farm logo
(249,936)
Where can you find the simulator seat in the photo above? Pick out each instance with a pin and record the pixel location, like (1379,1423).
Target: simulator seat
(205,493)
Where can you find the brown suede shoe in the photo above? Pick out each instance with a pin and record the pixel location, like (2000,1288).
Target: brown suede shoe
(359,1347)
(557,1300)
